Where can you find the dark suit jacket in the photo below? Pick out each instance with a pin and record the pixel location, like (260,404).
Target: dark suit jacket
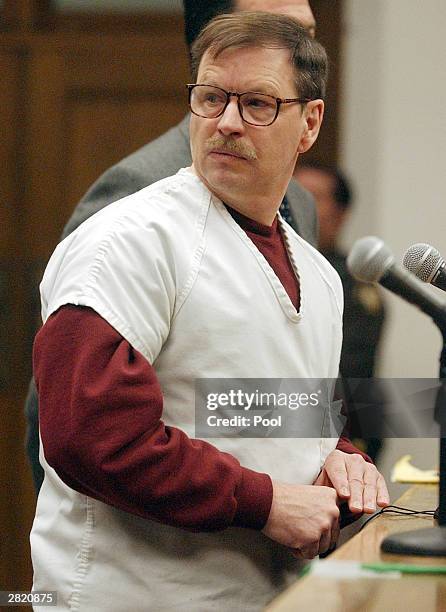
(153,162)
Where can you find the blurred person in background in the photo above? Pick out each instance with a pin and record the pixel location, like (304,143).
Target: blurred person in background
(364,311)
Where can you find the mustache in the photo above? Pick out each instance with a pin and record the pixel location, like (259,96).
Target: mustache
(231,146)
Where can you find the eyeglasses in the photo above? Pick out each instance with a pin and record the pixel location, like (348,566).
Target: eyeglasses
(255,108)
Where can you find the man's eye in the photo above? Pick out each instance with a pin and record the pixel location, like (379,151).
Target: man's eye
(258,103)
(212,98)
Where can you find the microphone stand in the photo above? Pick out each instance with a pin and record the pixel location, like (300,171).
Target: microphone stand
(429,542)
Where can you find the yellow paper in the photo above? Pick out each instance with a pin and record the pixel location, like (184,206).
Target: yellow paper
(403,471)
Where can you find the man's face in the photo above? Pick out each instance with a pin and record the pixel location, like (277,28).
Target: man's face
(299,9)
(240,162)
(331,217)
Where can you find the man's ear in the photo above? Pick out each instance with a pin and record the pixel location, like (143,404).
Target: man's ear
(313,113)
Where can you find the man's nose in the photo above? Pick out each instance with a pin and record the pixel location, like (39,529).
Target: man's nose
(230,122)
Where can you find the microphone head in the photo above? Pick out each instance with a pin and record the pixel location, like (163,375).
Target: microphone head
(369,259)
(423,260)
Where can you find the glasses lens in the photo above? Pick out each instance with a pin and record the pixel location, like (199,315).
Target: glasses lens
(207,101)
(258,108)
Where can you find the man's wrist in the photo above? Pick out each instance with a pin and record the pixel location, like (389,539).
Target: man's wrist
(254,496)
(346,446)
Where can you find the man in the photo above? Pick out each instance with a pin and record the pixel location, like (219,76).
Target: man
(155,292)
(167,155)
(363,307)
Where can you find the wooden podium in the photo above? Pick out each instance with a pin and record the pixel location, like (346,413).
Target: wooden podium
(419,592)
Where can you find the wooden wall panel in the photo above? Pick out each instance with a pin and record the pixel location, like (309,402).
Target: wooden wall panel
(9,95)
(45,146)
(328,18)
(92,101)
(151,62)
(103,131)
(22,15)
(17,502)
(9,215)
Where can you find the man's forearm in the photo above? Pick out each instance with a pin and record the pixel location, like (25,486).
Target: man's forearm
(101,427)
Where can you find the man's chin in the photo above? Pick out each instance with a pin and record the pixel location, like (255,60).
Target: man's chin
(225,181)
(227,175)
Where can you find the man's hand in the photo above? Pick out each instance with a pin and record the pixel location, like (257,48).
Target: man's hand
(304,518)
(355,480)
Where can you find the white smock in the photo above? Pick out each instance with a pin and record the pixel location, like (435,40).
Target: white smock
(174,274)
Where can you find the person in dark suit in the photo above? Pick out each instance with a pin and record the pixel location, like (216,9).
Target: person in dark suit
(364,311)
(164,157)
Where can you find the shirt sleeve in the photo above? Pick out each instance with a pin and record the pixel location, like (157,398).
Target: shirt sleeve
(101,425)
(346,446)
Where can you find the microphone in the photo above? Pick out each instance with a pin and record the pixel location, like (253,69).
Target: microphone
(371,261)
(427,264)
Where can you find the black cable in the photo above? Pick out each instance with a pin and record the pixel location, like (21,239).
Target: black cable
(398,510)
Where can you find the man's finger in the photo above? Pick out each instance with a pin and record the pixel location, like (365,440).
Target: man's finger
(322,480)
(337,473)
(310,552)
(306,552)
(355,469)
(297,553)
(382,496)
(325,541)
(370,492)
